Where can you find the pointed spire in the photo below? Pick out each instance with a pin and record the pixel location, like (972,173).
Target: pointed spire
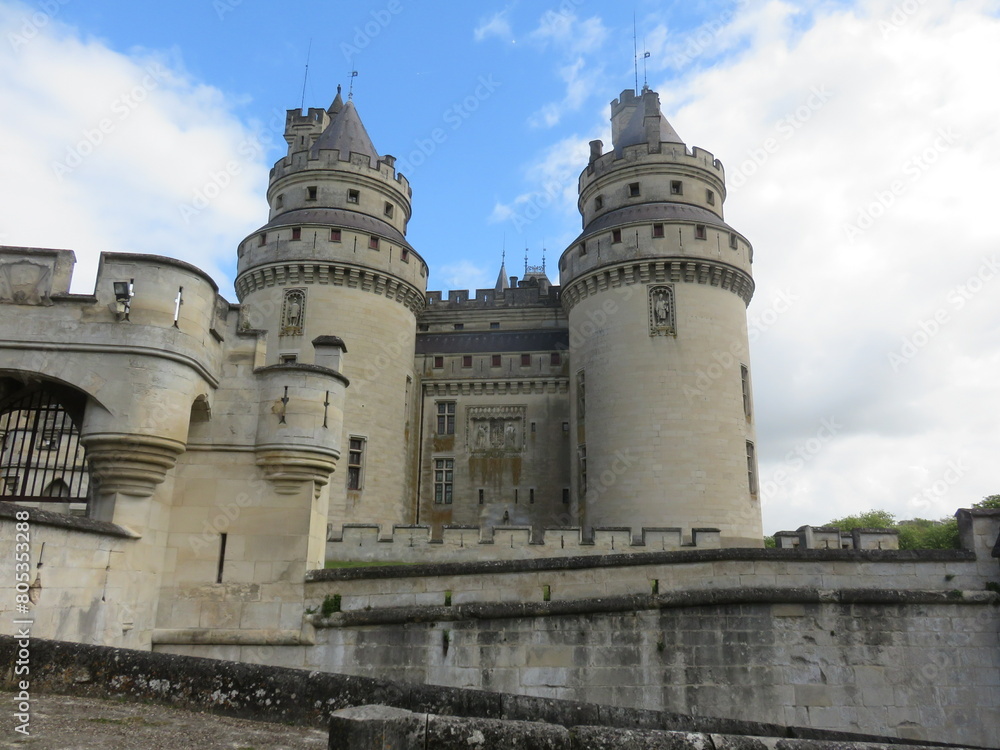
(640,109)
(347,134)
(502,282)
(337,105)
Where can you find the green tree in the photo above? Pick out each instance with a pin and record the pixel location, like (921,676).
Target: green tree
(990,501)
(872,519)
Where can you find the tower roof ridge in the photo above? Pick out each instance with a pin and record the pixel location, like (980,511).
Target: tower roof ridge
(346,133)
(646,105)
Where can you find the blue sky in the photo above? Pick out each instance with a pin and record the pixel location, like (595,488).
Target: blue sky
(859,138)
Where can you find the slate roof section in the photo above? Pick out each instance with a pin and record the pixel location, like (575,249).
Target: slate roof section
(346,133)
(337,217)
(634,131)
(493,342)
(647,212)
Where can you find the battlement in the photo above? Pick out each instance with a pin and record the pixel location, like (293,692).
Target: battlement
(489,298)
(327,159)
(828,537)
(642,154)
(405,543)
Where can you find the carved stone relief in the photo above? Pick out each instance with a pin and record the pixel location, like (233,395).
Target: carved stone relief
(24,282)
(293,310)
(495,430)
(662,321)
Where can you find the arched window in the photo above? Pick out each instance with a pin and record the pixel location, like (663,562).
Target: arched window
(41,458)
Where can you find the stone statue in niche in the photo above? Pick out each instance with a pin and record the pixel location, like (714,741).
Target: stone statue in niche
(293,312)
(495,430)
(661,311)
(482,437)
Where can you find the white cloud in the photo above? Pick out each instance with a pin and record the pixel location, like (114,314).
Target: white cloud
(859,177)
(464,275)
(496,25)
(128,143)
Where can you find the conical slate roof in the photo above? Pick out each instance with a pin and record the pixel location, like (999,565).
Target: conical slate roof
(502,282)
(346,133)
(337,105)
(634,131)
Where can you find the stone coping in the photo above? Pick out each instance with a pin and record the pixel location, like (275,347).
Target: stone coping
(629,559)
(309,698)
(40,517)
(161,260)
(637,602)
(303,367)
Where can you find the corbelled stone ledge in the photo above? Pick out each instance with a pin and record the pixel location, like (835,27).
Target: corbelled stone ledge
(298,696)
(64,521)
(671,600)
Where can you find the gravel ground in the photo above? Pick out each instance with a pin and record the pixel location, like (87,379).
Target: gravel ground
(60,722)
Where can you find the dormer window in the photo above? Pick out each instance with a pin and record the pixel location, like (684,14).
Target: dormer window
(353,196)
(311,193)
(633,190)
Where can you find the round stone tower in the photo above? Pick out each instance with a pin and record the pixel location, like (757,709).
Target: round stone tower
(333,261)
(656,289)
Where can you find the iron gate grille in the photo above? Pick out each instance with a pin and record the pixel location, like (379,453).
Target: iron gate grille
(41,458)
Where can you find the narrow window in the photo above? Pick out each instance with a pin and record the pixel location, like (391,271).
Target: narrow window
(676,187)
(700,232)
(444,470)
(334,235)
(710,197)
(439,362)
(616,236)
(565,426)
(482,496)
(353,196)
(531,495)
(494,325)
(279,201)
(178,301)
(404,255)
(565,496)
(745,377)
(515,496)
(555,359)
(599,203)
(262,239)
(459,326)
(388,210)
(751,468)
(581,395)
(582,460)
(633,190)
(356,463)
(296,233)
(467,360)
(311,193)
(525,360)
(657,230)
(373,243)
(495,360)
(583,248)
(534,427)
(222,557)
(733,241)
(446,417)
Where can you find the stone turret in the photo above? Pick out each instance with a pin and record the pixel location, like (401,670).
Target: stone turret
(656,288)
(333,260)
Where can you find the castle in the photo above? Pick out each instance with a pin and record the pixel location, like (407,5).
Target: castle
(581,509)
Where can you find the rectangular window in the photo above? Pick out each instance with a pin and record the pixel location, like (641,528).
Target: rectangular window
(525,360)
(495,360)
(262,239)
(444,472)
(745,377)
(515,495)
(616,236)
(353,196)
(599,203)
(733,241)
(751,468)
(482,496)
(311,193)
(494,325)
(356,463)
(279,201)
(334,235)
(404,254)
(555,359)
(446,418)
(288,359)
(466,360)
(676,187)
(657,230)
(459,326)
(296,233)
(710,197)
(565,495)
(388,210)
(583,248)
(700,232)
(531,495)
(534,428)
(633,190)
(373,243)
(439,362)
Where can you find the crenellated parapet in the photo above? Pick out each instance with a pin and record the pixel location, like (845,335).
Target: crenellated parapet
(828,537)
(408,543)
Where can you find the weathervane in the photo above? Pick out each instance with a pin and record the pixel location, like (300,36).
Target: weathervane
(350,89)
